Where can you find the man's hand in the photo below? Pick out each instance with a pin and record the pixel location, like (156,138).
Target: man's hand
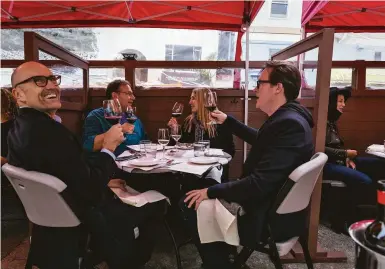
(350,163)
(196,196)
(117,183)
(128,128)
(351,154)
(218,116)
(113,137)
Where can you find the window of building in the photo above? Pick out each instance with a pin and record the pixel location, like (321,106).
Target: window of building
(279,8)
(183,53)
(272,52)
(377,56)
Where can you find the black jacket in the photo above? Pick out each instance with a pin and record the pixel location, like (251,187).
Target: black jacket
(283,143)
(37,142)
(334,144)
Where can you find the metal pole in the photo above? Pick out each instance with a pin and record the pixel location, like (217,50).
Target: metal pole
(246,88)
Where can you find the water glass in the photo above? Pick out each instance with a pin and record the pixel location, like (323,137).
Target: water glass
(199,149)
(143,148)
(151,150)
(206,143)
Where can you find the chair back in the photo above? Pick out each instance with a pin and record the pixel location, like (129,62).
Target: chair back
(40,195)
(302,181)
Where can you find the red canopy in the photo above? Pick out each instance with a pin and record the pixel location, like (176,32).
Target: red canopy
(216,15)
(344,16)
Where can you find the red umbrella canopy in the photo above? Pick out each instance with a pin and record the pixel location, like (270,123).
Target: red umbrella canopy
(216,15)
(344,16)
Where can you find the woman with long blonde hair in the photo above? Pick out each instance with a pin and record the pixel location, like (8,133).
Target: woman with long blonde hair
(196,126)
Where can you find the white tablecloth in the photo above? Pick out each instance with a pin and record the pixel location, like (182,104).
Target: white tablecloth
(180,164)
(376,150)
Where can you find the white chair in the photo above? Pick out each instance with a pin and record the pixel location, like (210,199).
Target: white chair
(293,197)
(40,195)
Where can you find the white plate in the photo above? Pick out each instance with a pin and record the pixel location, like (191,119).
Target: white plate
(144,162)
(203,160)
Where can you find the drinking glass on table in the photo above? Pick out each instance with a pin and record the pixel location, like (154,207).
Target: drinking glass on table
(206,144)
(112,111)
(163,139)
(210,103)
(176,132)
(177,110)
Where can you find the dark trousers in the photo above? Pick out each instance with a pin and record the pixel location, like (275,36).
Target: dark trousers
(112,231)
(111,226)
(361,187)
(214,255)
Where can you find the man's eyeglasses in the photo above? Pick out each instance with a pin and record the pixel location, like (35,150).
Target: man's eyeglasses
(259,82)
(42,81)
(129,94)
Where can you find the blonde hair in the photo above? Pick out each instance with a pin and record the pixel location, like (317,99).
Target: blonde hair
(202,113)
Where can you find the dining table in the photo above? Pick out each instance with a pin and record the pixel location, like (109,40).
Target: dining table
(133,160)
(376,150)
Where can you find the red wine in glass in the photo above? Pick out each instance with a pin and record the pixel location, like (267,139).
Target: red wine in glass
(211,108)
(131,120)
(176,114)
(112,111)
(113,119)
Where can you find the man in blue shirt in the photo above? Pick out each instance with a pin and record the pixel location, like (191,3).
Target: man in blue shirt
(95,125)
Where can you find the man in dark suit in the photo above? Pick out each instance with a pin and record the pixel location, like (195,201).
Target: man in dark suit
(37,142)
(283,143)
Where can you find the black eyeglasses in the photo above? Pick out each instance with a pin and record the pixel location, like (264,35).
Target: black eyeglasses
(41,81)
(259,82)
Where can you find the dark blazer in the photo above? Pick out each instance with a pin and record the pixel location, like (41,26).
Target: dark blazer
(283,143)
(37,142)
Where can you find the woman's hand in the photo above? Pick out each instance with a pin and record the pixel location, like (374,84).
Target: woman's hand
(351,154)
(196,196)
(172,122)
(117,183)
(218,116)
(350,163)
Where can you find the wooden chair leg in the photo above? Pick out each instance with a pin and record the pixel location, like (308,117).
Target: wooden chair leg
(274,254)
(304,244)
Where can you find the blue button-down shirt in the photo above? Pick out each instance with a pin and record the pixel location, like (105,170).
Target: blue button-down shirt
(95,124)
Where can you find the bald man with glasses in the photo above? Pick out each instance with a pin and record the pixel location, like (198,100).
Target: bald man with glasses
(38,143)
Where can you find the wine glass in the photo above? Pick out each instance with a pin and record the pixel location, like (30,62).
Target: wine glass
(176,133)
(177,110)
(163,139)
(131,114)
(112,110)
(210,103)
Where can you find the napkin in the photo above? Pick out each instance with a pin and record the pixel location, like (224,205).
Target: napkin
(216,223)
(137,199)
(376,147)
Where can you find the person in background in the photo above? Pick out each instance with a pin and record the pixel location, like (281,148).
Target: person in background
(196,128)
(358,173)
(8,112)
(283,143)
(96,125)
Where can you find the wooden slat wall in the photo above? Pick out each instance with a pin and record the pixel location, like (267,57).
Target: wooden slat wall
(363,122)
